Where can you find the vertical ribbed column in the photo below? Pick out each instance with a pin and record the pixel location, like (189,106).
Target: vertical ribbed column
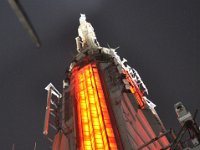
(94,125)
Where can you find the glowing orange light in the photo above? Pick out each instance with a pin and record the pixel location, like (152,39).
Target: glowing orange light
(94,125)
(135,90)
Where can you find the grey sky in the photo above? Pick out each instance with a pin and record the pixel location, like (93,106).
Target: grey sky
(160,39)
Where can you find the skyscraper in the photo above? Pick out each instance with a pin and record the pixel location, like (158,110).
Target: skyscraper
(104,103)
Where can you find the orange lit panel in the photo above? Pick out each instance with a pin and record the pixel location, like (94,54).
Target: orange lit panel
(135,90)
(94,125)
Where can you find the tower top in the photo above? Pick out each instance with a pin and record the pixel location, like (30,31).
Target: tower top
(86,35)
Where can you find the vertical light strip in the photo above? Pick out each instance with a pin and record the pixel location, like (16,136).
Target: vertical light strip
(94,125)
(135,90)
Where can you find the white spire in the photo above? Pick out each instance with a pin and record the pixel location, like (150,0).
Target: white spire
(87,37)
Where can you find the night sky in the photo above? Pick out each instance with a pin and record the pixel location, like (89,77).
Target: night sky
(160,39)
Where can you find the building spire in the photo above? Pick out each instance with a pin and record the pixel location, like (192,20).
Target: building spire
(86,35)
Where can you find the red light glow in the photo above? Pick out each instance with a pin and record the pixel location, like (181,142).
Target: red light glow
(135,90)
(95,130)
